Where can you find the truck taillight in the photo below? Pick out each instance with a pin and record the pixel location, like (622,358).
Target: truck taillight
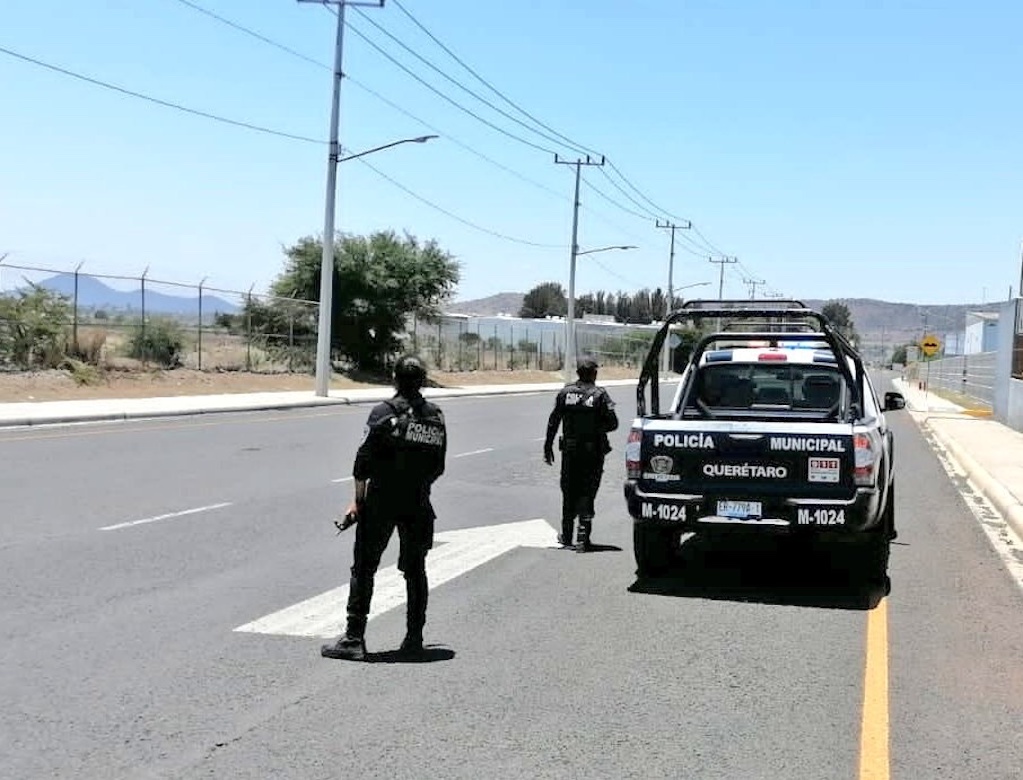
(865,459)
(633,452)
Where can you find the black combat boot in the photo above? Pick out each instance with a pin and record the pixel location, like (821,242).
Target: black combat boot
(417,588)
(583,543)
(351,645)
(565,537)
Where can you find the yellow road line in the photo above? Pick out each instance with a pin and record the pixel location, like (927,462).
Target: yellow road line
(874,761)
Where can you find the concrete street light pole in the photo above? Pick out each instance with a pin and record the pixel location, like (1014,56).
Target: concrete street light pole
(569,367)
(570,356)
(323,368)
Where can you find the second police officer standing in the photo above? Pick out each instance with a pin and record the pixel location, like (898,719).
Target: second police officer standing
(402,454)
(586,415)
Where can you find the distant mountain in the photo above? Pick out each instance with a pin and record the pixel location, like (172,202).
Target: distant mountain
(94,294)
(502,303)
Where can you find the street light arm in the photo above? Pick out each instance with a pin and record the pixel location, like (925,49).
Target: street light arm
(605,249)
(419,140)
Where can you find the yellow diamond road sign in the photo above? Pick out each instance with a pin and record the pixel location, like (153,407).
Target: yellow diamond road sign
(930,345)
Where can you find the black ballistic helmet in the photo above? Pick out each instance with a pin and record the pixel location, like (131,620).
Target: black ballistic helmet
(409,373)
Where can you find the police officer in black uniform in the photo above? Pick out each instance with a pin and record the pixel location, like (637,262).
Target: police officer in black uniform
(586,414)
(402,454)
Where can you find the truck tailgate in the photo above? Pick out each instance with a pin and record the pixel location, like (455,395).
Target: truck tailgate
(812,460)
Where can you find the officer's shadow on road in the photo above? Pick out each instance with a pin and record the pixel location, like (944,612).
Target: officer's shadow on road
(593,548)
(430,654)
(770,573)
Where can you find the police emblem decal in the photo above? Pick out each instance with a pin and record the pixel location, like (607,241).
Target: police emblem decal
(662,464)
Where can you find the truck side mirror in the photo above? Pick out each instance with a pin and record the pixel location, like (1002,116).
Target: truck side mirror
(893,401)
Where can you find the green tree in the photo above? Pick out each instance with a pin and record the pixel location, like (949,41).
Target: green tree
(34,327)
(161,341)
(545,300)
(840,317)
(379,281)
(899,354)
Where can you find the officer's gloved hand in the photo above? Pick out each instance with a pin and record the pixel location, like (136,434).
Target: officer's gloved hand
(548,454)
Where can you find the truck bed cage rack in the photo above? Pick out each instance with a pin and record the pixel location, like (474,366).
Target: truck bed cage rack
(791,311)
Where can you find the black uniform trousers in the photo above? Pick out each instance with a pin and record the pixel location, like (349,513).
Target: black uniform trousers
(372,535)
(581,474)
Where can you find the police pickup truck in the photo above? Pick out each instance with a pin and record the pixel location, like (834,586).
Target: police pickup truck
(774,428)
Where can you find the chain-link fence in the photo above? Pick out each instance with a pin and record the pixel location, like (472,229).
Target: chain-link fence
(969,376)
(153,322)
(128,322)
(462,343)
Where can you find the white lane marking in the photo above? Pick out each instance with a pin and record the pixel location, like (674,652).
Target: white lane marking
(475,452)
(343,479)
(1000,534)
(167,516)
(462,550)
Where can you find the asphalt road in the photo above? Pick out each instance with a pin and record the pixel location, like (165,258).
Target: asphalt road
(119,604)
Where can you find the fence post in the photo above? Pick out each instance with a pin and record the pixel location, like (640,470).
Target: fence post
(199,344)
(440,346)
(291,340)
(145,345)
(74,313)
(461,345)
(495,346)
(248,331)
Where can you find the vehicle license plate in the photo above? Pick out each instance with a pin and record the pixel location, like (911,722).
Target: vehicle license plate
(740,510)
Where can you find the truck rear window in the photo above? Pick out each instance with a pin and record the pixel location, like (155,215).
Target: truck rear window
(752,385)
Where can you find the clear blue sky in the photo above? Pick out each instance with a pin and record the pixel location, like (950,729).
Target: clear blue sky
(863,148)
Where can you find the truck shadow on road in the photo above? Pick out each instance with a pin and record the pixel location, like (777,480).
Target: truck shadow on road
(769,573)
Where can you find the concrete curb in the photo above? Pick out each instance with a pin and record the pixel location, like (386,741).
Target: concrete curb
(148,414)
(152,414)
(1004,501)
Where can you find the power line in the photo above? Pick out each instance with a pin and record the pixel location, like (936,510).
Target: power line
(616,275)
(648,212)
(447,136)
(491,87)
(572,143)
(158,101)
(248,31)
(464,221)
(441,95)
(250,126)
(635,189)
(455,81)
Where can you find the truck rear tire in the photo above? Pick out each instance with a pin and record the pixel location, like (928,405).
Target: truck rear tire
(654,549)
(871,557)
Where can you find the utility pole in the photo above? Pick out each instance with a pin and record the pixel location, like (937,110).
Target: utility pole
(670,303)
(569,366)
(721,279)
(326,308)
(752,284)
